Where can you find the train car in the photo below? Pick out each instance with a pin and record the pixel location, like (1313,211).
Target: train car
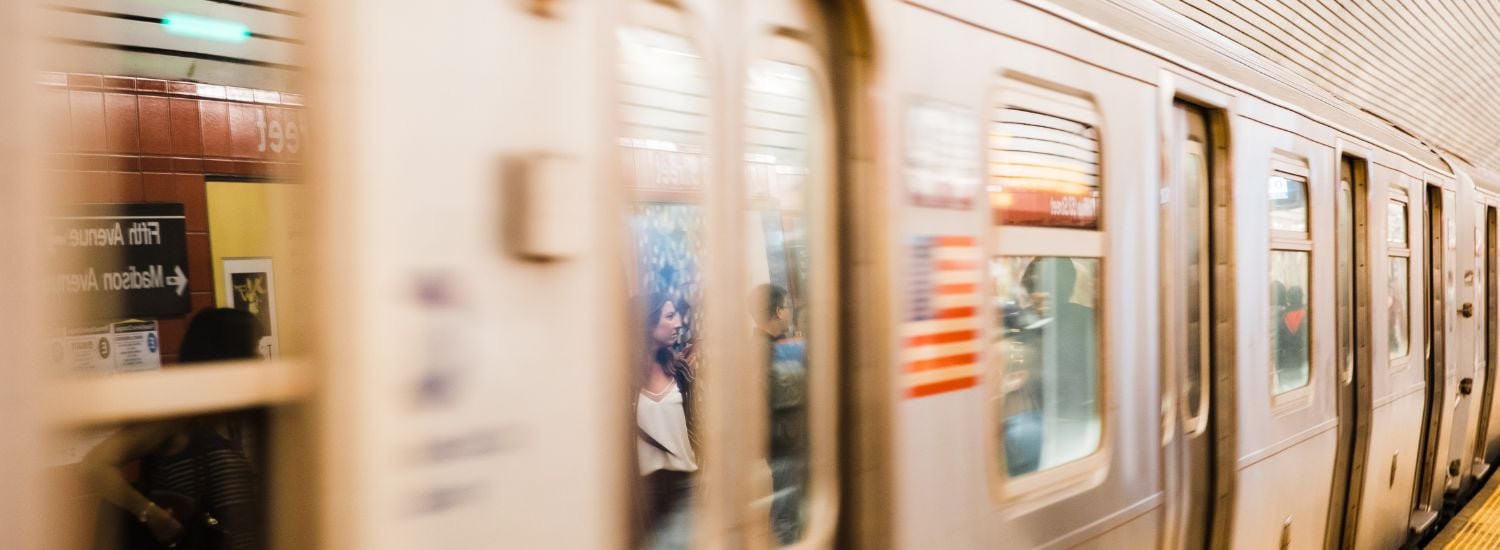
(706,274)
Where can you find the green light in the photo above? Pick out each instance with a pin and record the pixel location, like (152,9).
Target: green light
(192,26)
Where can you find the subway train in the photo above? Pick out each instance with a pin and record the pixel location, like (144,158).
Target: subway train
(723,275)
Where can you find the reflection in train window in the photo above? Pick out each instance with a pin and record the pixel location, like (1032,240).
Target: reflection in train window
(1288,198)
(1048,349)
(1197,333)
(1045,168)
(1395,223)
(1398,304)
(1290,349)
(1398,293)
(781,109)
(664,107)
(193,482)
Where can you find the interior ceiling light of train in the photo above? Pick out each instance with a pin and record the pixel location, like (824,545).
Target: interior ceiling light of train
(1426,66)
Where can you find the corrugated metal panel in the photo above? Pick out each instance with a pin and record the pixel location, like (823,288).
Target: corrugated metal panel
(1427,66)
(1183,40)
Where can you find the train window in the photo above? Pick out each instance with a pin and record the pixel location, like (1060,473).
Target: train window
(1290,260)
(1290,321)
(188,482)
(1398,304)
(1049,346)
(1046,272)
(1395,223)
(782,112)
(1045,168)
(664,104)
(167,303)
(1196,187)
(1398,293)
(1288,199)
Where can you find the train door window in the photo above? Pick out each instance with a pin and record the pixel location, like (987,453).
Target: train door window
(786,178)
(1047,274)
(1290,270)
(1398,293)
(173,322)
(665,105)
(1195,190)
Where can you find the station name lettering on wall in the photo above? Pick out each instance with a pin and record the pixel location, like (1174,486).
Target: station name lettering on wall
(277,136)
(120,260)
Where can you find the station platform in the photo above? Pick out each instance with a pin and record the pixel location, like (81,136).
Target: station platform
(1477,525)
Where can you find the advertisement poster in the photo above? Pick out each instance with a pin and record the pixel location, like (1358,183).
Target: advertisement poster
(252,287)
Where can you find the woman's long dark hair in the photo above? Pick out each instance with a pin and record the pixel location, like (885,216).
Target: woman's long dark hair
(650,307)
(221,334)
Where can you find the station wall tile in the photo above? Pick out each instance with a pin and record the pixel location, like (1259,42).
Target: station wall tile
(122,132)
(187,135)
(156,125)
(215,128)
(87,120)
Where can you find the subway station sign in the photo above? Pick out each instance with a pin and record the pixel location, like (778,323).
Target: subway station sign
(120,260)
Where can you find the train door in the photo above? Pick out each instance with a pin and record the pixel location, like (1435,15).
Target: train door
(1485,335)
(1195,265)
(732,266)
(1353,353)
(1435,236)
(789,273)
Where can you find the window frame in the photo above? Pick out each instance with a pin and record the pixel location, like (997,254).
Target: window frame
(1082,473)
(1295,168)
(1400,195)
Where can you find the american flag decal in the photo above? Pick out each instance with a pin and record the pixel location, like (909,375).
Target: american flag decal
(940,338)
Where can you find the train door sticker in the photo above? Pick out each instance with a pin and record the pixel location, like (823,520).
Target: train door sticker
(943,155)
(940,335)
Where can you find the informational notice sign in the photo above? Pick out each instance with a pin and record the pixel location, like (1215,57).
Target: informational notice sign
(126,346)
(120,260)
(943,154)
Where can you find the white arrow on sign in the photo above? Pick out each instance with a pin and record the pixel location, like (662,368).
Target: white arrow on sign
(180,279)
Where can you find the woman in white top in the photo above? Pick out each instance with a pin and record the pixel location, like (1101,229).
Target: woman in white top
(666,441)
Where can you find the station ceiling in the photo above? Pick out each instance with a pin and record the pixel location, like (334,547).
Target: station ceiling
(1425,69)
(1429,67)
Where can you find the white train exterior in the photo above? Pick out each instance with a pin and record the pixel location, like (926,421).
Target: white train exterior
(489,152)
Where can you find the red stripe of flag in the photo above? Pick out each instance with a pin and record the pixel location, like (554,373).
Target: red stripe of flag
(923,390)
(953,313)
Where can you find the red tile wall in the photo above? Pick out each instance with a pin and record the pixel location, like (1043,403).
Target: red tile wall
(126,139)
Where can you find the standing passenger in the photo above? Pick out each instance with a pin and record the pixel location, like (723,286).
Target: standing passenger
(197,490)
(786,369)
(666,443)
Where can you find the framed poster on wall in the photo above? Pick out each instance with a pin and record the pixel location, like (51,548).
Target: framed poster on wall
(251,286)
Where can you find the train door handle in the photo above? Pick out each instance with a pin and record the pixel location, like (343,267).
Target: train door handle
(1467,310)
